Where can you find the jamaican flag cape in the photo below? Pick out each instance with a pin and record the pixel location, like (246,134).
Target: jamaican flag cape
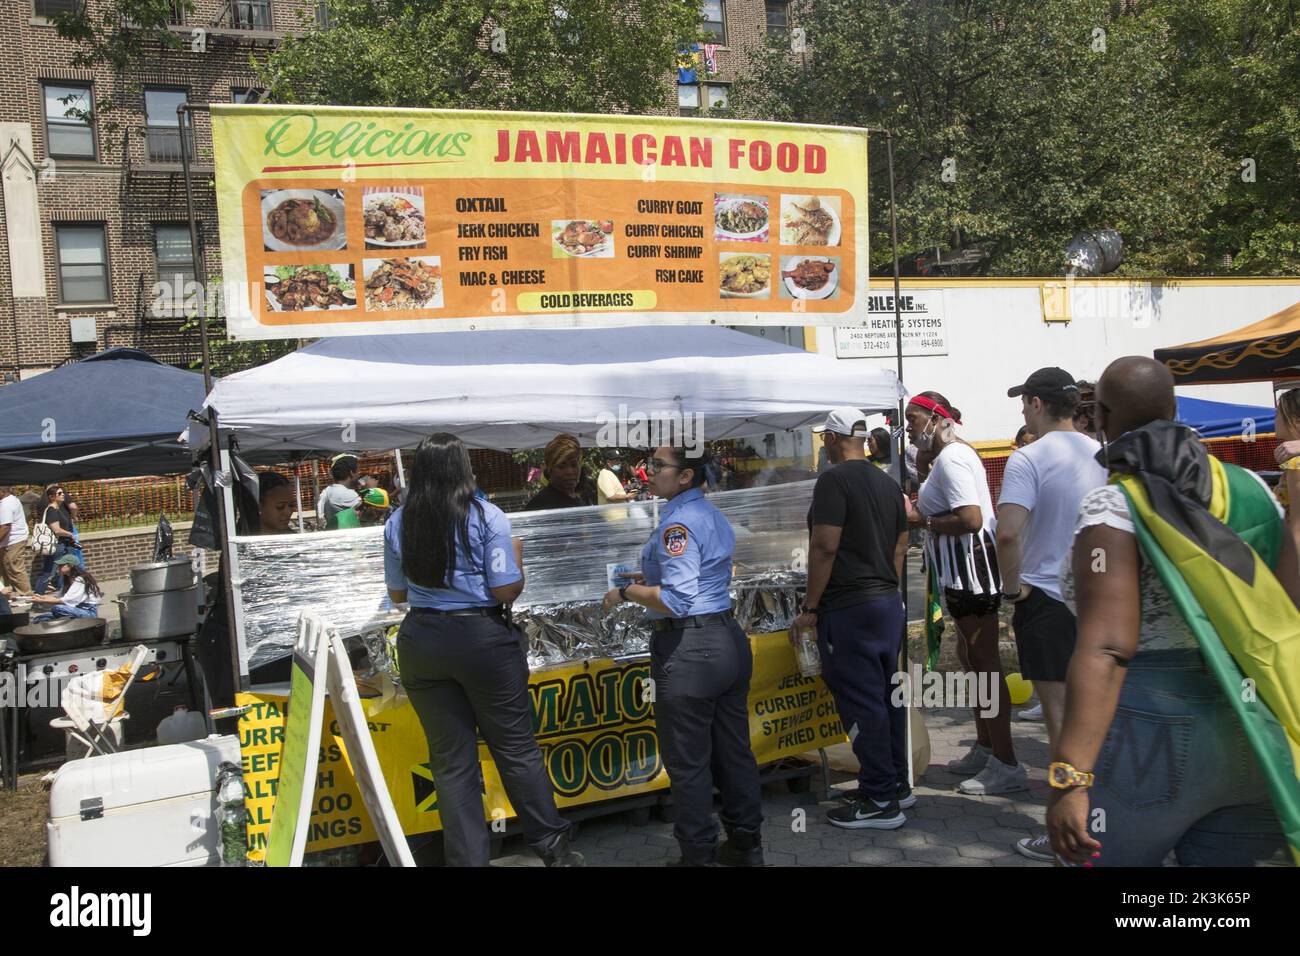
(1213,535)
(933,618)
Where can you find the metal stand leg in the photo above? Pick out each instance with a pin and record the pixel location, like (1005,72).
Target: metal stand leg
(826,773)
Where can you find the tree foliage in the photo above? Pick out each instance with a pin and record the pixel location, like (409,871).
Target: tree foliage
(598,56)
(1053,117)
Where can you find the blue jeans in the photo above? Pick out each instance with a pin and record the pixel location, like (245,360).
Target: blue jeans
(47,570)
(859,647)
(1176,773)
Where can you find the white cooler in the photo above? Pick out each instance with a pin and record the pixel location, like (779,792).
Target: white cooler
(151,807)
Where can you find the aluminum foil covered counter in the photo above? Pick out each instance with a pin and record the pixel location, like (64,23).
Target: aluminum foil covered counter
(568,555)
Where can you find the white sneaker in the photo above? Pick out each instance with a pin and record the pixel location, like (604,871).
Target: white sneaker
(974,760)
(1036,848)
(996,777)
(1032,713)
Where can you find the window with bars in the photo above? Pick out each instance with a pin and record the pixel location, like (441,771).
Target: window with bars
(69,126)
(162,125)
(82,251)
(174,266)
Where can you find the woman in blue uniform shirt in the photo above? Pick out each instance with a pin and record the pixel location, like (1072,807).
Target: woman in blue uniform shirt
(701,664)
(450,554)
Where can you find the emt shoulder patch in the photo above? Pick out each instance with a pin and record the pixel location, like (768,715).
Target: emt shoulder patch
(675,539)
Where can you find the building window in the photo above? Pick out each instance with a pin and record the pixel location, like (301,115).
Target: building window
(83,264)
(717,96)
(162,125)
(688,98)
(778,17)
(322,15)
(245,94)
(174,268)
(49,9)
(251,15)
(714,27)
(69,131)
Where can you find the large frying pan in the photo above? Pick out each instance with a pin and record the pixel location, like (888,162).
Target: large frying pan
(61,634)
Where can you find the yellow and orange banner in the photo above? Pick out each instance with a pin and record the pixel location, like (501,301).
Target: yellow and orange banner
(592,719)
(342,220)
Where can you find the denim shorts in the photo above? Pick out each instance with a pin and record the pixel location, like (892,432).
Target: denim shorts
(1176,774)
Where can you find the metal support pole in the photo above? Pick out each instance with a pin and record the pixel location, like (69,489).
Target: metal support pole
(297,493)
(185,119)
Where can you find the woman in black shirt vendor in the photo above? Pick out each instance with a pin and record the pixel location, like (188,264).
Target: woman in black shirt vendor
(563,472)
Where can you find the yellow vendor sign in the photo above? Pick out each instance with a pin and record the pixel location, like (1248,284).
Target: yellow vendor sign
(593,720)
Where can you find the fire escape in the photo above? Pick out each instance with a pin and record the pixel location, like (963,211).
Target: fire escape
(153,183)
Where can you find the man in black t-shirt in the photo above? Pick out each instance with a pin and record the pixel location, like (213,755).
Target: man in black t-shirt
(858,542)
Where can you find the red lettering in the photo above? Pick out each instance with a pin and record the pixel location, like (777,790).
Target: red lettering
(620,148)
(673,154)
(527,149)
(701,151)
(736,148)
(814,159)
(760,157)
(640,143)
(563,147)
(597,149)
(503,146)
(787,157)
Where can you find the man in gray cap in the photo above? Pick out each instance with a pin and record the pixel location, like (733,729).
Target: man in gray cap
(858,541)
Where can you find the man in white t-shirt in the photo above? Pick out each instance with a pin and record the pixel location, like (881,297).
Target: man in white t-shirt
(15,559)
(1042,486)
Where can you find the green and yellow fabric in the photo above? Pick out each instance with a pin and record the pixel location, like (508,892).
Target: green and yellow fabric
(1213,535)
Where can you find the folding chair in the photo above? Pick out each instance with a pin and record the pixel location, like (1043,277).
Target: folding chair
(89,716)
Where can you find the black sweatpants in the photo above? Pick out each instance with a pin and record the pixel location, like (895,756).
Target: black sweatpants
(701,677)
(462,673)
(859,647)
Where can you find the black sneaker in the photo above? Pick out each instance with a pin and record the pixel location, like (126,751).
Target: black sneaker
(740,849)
(906,798)
(866,815)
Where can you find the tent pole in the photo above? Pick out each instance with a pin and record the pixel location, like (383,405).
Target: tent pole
(401,473)
(901,450)
(297,493)
(225,528)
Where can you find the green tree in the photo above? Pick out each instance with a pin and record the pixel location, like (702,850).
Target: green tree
(1048,117)
(1238,71)
(599,56)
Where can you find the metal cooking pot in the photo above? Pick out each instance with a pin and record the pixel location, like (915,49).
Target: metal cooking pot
(60,634)
(170,575)
(147,617)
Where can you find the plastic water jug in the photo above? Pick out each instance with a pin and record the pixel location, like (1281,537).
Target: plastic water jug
(182,726)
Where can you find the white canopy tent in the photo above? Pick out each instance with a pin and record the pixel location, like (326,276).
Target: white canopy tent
(513,390)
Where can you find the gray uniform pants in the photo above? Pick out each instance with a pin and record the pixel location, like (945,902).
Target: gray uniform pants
(701,677)
(466,672)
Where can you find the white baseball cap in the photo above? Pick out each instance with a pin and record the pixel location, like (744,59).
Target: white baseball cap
(842,421)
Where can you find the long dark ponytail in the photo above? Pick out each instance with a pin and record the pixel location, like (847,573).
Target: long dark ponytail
(92,586)
(435,510)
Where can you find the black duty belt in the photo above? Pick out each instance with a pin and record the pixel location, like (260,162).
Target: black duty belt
(695,620)
(495,611)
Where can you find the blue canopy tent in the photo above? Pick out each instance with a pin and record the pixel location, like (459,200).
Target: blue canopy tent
(114,414)
(1223,419)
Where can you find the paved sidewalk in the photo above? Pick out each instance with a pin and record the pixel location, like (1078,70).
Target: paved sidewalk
(943,829)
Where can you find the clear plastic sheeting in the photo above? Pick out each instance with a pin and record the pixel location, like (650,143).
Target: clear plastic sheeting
(569,555)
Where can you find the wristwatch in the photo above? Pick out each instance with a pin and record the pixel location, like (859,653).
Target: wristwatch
(805,609)
(1063,776)
(622,593)
(1012,596)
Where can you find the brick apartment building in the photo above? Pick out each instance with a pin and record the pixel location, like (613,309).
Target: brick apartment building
(94,211)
